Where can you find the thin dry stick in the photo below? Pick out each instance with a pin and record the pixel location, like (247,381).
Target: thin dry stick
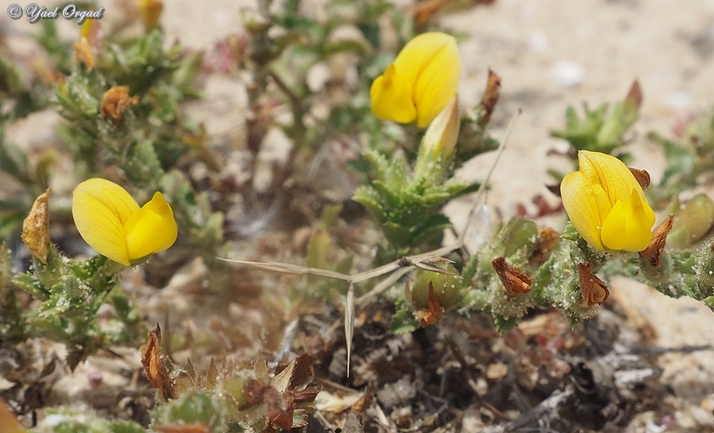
(481,193)
(349,322)
(427,261)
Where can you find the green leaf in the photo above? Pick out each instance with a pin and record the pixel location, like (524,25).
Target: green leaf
(403,320)
(369,198)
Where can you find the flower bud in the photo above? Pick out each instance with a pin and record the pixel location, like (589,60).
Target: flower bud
(693,220)
(446,289)
(439,141)
(150,11)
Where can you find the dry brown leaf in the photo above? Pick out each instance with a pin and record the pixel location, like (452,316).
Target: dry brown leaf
(297,373)
(594,290)
(641,176)
(279,410)
(211,376)
(653,253)
(36,228)
(425,10)
(8,422)
(490,97)
(83,52)
(634,96)
(547,238)
(435,311)
(514,281)
(115,101)
(154,364)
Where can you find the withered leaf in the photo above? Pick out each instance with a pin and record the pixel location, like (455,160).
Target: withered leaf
(547,238)
(365,402)
(641,176)
(8,422)
(305,394)
(490,97)
(634,96)
(435,311)
(155,366)
(36,227)
(593,289)
(297,373)
(653,253)
(514,281)
(190,370)
(279,410)
(253,391)
(211,376)
(115,101)
(83,51)
(425,10)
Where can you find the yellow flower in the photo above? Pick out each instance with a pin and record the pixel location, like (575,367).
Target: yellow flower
(112,223)
(150,11)
(421,81)
(606,204)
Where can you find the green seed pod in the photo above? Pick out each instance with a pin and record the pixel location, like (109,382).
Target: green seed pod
(692,222)
(519,234)
(447,289)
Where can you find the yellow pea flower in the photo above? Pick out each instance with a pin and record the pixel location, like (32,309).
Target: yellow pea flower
(112,223)
(421,81)
(606,204)
(149,12)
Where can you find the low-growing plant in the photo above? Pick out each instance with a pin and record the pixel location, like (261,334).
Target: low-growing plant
(121,104)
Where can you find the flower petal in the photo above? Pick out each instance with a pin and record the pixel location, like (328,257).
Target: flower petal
(151,229)
(581,205)
(612,174)
(391,98)
(628,227)
(438,81)
(100,208)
